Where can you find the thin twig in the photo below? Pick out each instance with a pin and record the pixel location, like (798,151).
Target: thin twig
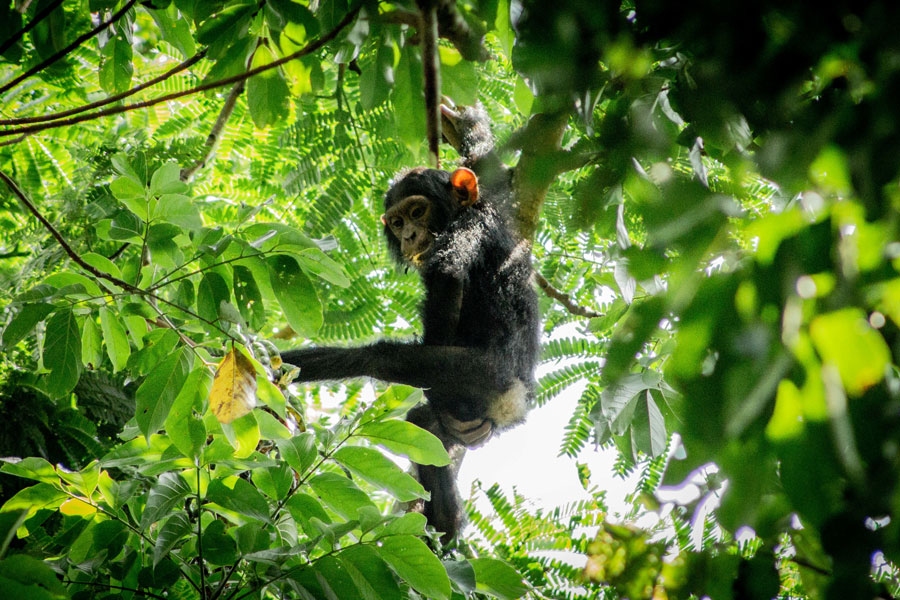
(563,299)
(111,586)
(308,49)
(61,240)
(68,113)
(80,40)
(200,538)
(215,134)
(37,19)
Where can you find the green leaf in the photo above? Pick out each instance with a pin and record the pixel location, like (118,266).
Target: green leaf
(116,67)
(295,294)
(248,297)
(91,352)
(648,428)
(102,264)
(62,353)
(274,482)
(240,496)
(178,209)
(31,467)
(300,451)
(132,195)
(34,498)
(29,578)
(409,98)
(219,548)
(845,339)
(24,321)
(377,80)
(417,565)
(169,492)
(65,279)
(212,291)
(316,262)
(406,439)
(369,572)
(459,79)
(174,529)
(185,429)
(376,468)
(155,396)
(340,493)
(167,180)
(411,523)
(117,346)
(268,95)
(497,578)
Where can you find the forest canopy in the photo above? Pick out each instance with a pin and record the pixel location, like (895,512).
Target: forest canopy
(709,191)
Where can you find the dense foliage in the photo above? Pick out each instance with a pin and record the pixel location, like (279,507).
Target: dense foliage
(711,192)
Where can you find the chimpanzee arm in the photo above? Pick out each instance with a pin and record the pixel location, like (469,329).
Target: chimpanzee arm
(445,370)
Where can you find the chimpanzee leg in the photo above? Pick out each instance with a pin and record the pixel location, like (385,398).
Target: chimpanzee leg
(444,509)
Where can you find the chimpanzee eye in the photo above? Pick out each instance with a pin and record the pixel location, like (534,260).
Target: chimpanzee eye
(417,212)
(397,223)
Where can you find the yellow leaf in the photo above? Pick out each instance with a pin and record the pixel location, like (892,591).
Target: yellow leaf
(76,507)
(233,391)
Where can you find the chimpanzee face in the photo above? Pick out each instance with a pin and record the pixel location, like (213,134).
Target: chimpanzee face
(409,222)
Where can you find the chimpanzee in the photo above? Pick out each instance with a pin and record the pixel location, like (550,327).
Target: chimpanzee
(477,355)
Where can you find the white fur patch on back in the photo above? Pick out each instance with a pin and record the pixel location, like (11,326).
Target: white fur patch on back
(510,407)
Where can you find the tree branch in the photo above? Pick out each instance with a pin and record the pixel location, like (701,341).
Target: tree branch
(37,19)
(67,113)
(78,41)
(96,272)
(539,141)
(432,77)
(215,134)
(563,299)
(308,49)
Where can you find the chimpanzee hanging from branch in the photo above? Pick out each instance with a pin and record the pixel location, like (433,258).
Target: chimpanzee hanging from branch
(479,348)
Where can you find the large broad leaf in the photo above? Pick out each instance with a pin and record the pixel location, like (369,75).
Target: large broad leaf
(248,297)
(341,494)
(156,395)
(185,429)
(170,534)
(407,439)
(212,291)
(845,339)
(416,564)
(168,493)
(299,452)
(117,346)
(498,579)
(233,393)
(409,97)
(240,496)
(62,353)
(268,95)
(370,572)
(24,321)
(296,294)
(376,468)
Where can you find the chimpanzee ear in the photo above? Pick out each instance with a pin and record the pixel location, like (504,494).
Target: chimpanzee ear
(465,186)
(383,220)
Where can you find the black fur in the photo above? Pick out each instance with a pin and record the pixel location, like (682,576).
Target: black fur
(480,341)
